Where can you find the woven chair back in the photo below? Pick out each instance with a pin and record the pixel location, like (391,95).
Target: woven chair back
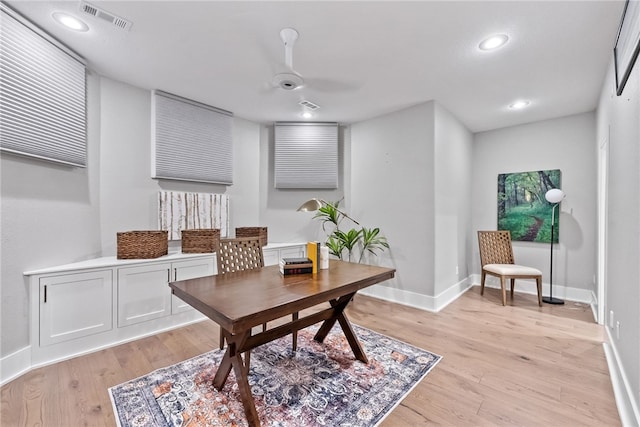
(495,247)
(239,254)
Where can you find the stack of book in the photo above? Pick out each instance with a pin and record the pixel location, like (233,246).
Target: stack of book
(295,266)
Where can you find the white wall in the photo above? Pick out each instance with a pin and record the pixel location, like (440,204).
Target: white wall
(567,144)
(411,176)
(56,215)
(50,215)
(618,122)
(278,207)
(128,194)
(392,187)
(452,192)
(244,194)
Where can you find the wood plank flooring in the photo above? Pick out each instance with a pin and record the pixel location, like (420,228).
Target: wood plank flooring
(515,365)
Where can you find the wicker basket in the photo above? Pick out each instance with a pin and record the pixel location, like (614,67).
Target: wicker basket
(200,241)
(260,232)
(142,244)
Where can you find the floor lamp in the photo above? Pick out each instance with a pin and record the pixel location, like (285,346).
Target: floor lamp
(315,204)
(555,196)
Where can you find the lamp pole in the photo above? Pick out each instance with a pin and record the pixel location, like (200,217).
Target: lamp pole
(555,196)
(315,204)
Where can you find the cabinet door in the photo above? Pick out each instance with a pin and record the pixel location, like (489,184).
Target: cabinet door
(75,305)
(271,256)
(191,269)
(143,293)
(274,255)
(293,252)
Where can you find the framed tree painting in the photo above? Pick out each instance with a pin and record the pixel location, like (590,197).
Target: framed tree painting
(627,45)
(522,208)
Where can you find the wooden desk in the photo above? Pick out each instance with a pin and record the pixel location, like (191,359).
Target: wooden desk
(240,301)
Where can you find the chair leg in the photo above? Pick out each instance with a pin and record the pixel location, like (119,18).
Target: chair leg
(504,290)
(513,285)
(294,316)
(539,285)
(221,339)
(484,275)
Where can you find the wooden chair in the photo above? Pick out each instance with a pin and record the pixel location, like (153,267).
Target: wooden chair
(496,257)
(242,254)
(239,254)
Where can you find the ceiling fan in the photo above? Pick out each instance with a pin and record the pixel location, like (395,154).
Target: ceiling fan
(289,80)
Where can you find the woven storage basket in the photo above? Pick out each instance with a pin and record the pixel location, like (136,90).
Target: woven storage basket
(260,232)
(201,240)
(142,244)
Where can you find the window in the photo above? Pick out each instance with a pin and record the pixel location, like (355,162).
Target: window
(306,155)
(191,141)
(43,94)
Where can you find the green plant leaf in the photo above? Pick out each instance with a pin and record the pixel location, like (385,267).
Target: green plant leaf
(372,241)
(367,240)
(349,239)
(335,246)
(328,213)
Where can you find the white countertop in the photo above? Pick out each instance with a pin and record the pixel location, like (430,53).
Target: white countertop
(112,261)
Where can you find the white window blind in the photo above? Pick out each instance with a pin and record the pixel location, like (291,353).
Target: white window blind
(191,141)
(306,155)
(42,94)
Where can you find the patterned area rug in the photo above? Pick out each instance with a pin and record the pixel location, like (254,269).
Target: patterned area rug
(319,385)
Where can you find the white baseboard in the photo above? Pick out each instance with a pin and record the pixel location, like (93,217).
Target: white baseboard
(22,361)
(420,301)
(529,287)
(625,401)
(15,364)
(594,308)
(440,301)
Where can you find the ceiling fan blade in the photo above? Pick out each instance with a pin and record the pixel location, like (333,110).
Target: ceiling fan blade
(331,85)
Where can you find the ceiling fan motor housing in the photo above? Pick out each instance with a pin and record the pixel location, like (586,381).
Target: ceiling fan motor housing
(288,81)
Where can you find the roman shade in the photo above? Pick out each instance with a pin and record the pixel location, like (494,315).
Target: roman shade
(190,141)
(306,155)
(43,85)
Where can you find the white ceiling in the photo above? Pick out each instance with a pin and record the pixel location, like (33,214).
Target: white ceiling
(360,59)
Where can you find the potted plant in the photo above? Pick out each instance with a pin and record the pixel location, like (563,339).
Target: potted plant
(355,242)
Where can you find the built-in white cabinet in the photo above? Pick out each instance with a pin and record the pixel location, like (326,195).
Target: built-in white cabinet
(85,306)
(73,306)
(272,257)
(140,298)
(143,293)
(191,269)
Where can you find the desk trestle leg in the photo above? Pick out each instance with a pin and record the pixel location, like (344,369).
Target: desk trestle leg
(338,306)
(233,359)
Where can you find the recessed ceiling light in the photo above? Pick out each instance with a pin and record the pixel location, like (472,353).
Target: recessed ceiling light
(519,104)
(493,42)
(70,21)
(307,115)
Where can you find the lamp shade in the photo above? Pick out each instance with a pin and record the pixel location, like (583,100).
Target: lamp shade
(555,195)
(310,205)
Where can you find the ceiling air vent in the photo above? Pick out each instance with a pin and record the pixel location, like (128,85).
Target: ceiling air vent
(310,105)
(90,9)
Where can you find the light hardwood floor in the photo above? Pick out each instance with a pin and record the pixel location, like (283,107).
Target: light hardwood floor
(515,365)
